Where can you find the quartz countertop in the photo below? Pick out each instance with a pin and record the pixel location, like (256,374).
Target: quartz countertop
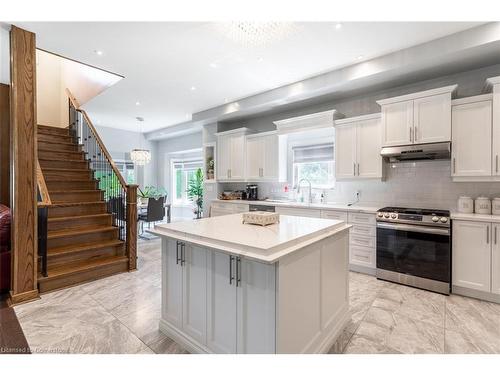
(475,217)
(318,206)
(267,244)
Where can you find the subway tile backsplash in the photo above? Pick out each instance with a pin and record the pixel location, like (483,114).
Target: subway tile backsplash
(425,184)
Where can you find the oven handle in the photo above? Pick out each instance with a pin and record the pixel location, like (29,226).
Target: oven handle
(414,228)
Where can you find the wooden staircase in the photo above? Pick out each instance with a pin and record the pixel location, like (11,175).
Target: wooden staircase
(82,243)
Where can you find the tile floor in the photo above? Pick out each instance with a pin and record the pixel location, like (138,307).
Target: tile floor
(120,314)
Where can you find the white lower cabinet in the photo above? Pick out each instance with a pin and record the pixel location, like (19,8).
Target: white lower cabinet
(471,257)
(184,278)
(495,260)
(305,212)
(220,208)
(241,305)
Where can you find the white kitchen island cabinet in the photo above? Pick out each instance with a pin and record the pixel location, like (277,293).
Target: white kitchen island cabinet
(229,287)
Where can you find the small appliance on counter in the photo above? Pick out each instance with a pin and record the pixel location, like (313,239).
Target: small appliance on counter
(465,205)
(252,192)
(233,195)
(482,206)
(495,206)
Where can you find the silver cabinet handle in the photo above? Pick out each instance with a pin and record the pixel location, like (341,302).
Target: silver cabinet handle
(358,169)
(231,278)
(411,134)
(354,169)
(238,271)
(495,234)
(488,234)
(177,258)
(183,253)
(454,166)
(496,163)
(414,133)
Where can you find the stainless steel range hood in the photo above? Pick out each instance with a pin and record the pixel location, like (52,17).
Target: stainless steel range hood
(428,151)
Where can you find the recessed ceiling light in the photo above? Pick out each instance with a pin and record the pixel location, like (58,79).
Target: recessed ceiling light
(261,59)
(98,52)
(193,88)
(338,26)
(213,65)
(360,57)
(137,103)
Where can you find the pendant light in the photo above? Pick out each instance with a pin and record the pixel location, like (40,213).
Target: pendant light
(140,156)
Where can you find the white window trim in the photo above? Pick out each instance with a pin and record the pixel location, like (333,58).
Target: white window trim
(176,203)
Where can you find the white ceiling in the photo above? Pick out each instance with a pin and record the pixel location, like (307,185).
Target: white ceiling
(161,62)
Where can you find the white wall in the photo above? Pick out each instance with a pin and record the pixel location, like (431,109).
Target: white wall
(119,143)
(4,54)
(54,75)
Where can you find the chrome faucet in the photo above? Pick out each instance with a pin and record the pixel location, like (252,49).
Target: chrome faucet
(310,188)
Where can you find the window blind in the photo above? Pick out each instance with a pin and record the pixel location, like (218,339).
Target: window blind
(313,153)
(191,164)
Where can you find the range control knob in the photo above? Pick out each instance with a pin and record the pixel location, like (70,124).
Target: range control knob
(393,216)
(380,214)
(444,219)
(435,219)
(386,215)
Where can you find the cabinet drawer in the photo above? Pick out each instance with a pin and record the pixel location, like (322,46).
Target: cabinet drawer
(219,212)
(222,206)
(364,230)
(334,215)
(305,212)
(362,241)
(241,207)
(357,218)
(362,256)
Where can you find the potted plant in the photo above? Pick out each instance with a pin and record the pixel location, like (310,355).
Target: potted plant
(210,168)
(151,192)
(195,192)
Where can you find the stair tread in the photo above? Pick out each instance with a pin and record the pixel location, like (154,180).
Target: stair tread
(82,247)
(64,169)
(75,217)
(69,204)
(77,231)
(57,142)
(70,191)
(70,160)
(81,266)
(66,151)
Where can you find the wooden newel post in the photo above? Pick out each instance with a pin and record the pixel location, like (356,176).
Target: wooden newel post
(131,240)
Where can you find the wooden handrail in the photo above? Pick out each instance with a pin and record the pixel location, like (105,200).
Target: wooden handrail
(42,187)
(92,128)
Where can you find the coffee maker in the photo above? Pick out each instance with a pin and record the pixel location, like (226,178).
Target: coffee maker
(252,192)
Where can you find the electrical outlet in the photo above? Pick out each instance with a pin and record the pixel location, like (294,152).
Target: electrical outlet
(357,193)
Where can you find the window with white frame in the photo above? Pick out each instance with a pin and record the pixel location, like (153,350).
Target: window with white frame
(182,172)
(127,170)
(314,162)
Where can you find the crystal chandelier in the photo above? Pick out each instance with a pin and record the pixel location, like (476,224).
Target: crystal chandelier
(257,33)
(140,156)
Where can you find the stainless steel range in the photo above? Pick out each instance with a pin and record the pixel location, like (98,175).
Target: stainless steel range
(414,247)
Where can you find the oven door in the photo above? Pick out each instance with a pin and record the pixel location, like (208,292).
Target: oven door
(414,250)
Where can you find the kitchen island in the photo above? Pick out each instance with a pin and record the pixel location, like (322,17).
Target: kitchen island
(229,287)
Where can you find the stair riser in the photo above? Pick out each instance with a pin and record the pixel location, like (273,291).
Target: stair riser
(52,130)
(90,196)
(92,254)
(55,137)
(74,164)
(82,238)
(71,185)
(88,209)
(58,146)
(91,275)
(99,221)
(62,175)
(44,154)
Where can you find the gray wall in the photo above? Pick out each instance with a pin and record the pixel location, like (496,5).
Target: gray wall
(119,144)
(4,54)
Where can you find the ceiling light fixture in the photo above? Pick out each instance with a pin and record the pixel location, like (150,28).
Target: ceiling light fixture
(360,57)
(137,103)
(213,65)
(338,26)
(98,52)
(261,59)
(257,33)
(140,156)
(193,88)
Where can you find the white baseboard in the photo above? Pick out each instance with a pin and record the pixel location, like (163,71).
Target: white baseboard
(490,297)
(362,269)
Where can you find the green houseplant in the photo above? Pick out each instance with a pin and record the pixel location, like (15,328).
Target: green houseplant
(151,192)
(195,192)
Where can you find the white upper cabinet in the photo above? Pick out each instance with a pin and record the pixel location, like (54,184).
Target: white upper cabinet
(357,147)
(231,155)
(423,117)
(493,84)
(266,157)
(471,137)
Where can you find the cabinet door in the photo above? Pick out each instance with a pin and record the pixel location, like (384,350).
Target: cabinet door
(369,137)
(221,303)
(345,151)
(471,255)
(471,139)
(237,161)
(256,316)
(194,296)
(271,158)
(223,157)
(495,260)
(255,158)
(397,122)
(171,283)
(432,119)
